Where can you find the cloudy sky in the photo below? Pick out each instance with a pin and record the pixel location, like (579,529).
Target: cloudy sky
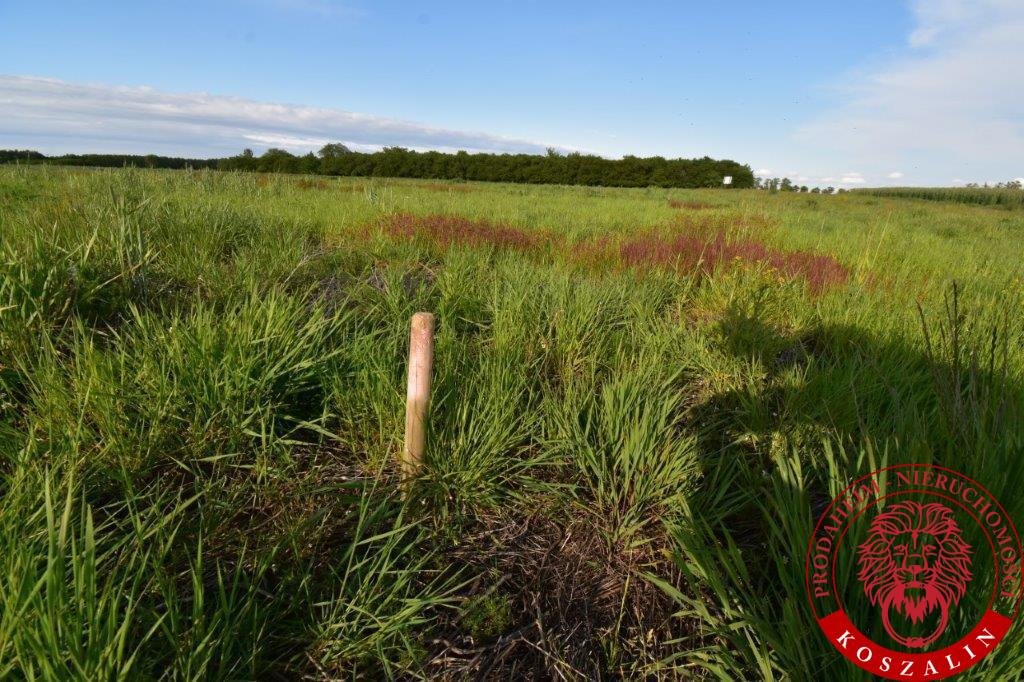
(847,94)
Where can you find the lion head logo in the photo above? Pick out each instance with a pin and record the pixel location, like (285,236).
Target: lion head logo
(915,562)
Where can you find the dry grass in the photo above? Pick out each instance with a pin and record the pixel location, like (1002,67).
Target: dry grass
(444,187)
(690,205)
(570,594)
(312,183)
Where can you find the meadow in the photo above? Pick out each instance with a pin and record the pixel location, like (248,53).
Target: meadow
(643,399)
(1007,197)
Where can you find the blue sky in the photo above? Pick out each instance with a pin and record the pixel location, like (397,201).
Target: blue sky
(868,93)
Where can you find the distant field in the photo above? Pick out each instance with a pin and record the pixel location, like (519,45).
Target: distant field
(986,196)
(643,398)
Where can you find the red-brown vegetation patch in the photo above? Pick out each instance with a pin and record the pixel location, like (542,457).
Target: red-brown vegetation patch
(695,253)
(698,244)
(710,224)
(690,205)
(451,230)
(312,183)
(442,187)
(594,253)
(883,283)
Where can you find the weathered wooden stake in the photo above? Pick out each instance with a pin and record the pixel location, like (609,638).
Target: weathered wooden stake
(417,398)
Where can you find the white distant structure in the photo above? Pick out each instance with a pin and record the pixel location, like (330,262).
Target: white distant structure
(727,180)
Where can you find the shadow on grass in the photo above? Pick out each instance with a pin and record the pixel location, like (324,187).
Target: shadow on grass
(826,396)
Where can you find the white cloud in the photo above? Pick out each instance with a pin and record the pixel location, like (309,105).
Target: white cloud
(895,175)
(57,116)
(287,141)
(940,19)
(852,178)
(950,105)
(763,173)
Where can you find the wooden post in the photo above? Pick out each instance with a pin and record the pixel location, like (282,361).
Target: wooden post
(417,398)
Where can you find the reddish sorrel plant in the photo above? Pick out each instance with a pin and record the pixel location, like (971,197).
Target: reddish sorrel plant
(701,252)
(593,253)
(691,205)
(688,252)
(448,230)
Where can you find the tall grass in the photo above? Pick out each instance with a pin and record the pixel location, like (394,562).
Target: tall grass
(201,401)
(986,196)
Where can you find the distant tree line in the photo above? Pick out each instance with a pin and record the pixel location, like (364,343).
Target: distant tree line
(397,162)
(104,160)
(20,156)
(550,168)
(787,185)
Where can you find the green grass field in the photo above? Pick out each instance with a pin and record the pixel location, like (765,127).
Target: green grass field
(643,398)
(1006,197)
